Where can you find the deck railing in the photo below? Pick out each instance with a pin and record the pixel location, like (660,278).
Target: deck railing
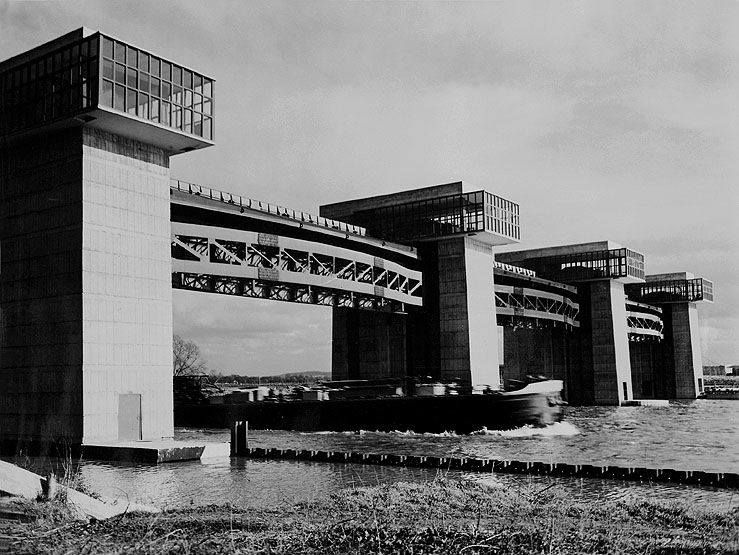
(266,207)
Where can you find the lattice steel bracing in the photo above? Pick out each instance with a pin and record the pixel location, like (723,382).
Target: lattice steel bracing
(259,265)
(644,321)
(640,326)
(521,306)
(305,294)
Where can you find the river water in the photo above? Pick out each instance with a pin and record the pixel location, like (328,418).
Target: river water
(697,435)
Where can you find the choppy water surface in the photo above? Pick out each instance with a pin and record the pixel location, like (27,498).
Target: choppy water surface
(699,435)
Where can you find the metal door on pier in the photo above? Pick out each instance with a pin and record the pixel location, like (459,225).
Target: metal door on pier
(129,417)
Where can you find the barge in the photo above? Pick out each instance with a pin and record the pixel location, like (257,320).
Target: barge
(437,408)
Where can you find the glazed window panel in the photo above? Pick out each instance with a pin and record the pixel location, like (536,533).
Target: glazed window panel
(107,47)
(131,101)
(120,73)
(143,82)
(132,57)
(106,95)
(120,52)
(154,109)
(167,94)
(108,69)
(56,85)
(143,61)
(164,112)
(131,77)
(119,102)
(143,106)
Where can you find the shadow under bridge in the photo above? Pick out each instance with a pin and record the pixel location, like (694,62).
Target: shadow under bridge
(223,243)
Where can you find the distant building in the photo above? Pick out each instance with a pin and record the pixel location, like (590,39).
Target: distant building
(733,370)
(717,370)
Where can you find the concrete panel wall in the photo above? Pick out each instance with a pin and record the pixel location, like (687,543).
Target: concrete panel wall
(686,349)
(645,376)
(40,289)
(454,331)
(468,346)
(340,344)
(535,352)
(126,285)
(85,287)
(610,343)
(368,345)
(453,337)
(482,326)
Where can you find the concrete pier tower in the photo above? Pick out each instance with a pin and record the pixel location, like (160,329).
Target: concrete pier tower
(453,337)
(600,363)
(87,126)
(680,368)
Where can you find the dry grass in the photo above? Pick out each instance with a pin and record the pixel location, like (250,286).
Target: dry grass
(445,516)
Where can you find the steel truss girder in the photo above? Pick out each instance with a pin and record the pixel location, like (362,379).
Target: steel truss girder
(203,253)
(521,304)
(260,289)
(644,326)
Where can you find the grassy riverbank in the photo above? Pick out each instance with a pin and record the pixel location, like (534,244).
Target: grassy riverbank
(445,516)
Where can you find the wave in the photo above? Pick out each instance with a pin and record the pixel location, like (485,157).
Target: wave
(423,434)
(331,433)
(552,430)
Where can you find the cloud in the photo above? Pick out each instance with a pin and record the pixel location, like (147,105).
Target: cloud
(603,120)
(254,336)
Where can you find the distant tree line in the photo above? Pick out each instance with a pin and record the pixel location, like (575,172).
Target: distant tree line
(187,360)
(721,381)
(292,379)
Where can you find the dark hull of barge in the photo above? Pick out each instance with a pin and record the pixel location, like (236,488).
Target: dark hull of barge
(462,414)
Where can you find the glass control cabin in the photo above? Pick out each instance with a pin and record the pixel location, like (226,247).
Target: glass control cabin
(91,78)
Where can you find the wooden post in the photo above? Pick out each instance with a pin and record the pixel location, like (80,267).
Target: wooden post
(239,438)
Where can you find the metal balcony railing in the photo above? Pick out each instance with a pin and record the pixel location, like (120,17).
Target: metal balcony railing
(266,207)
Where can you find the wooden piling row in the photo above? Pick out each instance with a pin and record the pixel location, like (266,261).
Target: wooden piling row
(638,474)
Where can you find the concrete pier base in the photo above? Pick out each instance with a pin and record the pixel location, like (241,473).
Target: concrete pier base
(153,452)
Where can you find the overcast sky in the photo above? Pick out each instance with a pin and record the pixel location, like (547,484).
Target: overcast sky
(603,120)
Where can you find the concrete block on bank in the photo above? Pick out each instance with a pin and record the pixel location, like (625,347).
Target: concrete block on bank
(18,482)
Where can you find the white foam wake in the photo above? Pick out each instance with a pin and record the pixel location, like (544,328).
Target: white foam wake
(553,430)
